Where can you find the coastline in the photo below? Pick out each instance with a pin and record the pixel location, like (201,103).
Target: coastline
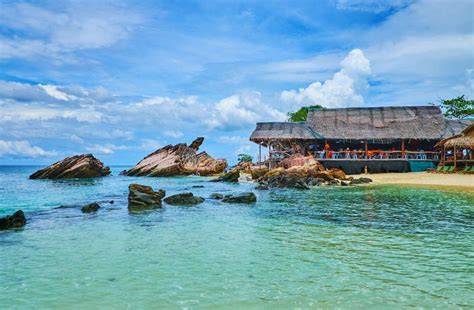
(462,182)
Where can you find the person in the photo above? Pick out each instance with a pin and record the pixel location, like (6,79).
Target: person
(354,154)
(327,148)
(347,153)
(464,153)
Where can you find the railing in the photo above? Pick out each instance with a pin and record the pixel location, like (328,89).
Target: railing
(377,155)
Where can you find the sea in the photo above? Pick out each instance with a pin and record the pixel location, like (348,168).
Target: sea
(365,247)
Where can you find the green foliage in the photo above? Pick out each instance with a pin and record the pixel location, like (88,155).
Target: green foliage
(458,107)
(244,158)
(302,114)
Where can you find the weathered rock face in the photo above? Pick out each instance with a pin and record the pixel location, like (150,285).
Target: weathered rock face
(240,198)
(179,159)
(258,172)
(184,199)
(142,197)
(299,160)
(78,166)
(16,220)
(231,176)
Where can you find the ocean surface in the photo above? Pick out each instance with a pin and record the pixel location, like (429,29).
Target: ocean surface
(368,247)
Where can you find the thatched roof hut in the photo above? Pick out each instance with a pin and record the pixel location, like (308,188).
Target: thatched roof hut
(282,131)
(407,122)
(463,140)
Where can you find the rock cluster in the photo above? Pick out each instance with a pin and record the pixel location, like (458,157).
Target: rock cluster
(142,197)
(16,220)
(240,198)
(78,166)
(179,159)
(231,176)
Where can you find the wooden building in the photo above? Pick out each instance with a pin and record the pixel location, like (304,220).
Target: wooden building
(457,150)
(360,135)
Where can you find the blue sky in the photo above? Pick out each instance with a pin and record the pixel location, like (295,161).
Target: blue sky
(122,78)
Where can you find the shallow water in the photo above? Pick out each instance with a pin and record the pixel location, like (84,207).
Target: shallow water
(358,247)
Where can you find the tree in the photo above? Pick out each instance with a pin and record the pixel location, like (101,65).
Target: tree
(244,158)
(302,114)
(458,107)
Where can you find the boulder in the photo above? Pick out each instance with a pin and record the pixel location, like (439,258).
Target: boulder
(92,207)
(231,176)
(258,172)
(325,175)
(300,160)
(262,187)
(361,181)
(241,198)
(338,173)
(216,196)
(16,220)
(142,197)
(179,159)
(78,166)
(184,199)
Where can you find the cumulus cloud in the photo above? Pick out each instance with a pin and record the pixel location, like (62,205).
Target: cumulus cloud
(64,28)
(22,149)
(240,110)
(105,149)
(346,87)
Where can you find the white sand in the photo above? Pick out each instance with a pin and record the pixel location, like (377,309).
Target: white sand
(461,181)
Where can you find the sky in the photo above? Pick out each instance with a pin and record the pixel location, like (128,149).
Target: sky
(120,79)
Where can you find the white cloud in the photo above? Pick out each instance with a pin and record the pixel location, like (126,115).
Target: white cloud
(241,110)
(375,6)
(22,149)
(173,133)
(64,29)
(150,144)
(105,149)
(344,89)
(54,92)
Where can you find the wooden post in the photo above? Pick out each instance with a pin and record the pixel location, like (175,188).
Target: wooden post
(455,157)
(259,155)
(444,155)
(403,149)
(366,150)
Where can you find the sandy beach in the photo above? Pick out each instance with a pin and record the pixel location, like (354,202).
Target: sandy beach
(461,181)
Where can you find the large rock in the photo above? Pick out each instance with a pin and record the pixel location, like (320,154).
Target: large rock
(231,176)
(91,207)
(179,159)
(300,160)
(142,197)
(78,166)
(258,172)
(184,199)
(338,173)
(16,220)
(241,198)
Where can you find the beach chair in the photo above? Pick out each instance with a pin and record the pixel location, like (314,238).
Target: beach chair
(439,168)
(450,169)
(466,169)
(445,169)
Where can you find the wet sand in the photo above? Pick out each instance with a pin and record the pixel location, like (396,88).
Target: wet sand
(461,181)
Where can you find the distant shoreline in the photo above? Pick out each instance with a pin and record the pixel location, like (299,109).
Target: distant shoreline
(464,182)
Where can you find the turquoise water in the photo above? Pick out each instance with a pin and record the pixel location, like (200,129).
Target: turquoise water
(348,248)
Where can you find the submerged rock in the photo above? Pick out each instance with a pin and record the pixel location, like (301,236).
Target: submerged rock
(16,220)
(184,199)
(241,198)
(78,166)
(92,207)
(216,196)
(142,197)
(179,159)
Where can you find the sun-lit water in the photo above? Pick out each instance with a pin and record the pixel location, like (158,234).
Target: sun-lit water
(360,247)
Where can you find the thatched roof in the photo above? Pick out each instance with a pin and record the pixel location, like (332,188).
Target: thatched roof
(282,131)
(463,140)
(408,122)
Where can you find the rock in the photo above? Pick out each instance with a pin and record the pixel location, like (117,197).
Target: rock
(258,172)
(314,181)
(231,176)
(216,196)
(16,220)
(78,166)
(123,172)
(325,175)
(197,186)
(179,159)
(245,167)
(92,207)
(300,160)
(361,181)
(240,198)
(345,183)
(141,197)
(338,173)
(184,199)
(262,187)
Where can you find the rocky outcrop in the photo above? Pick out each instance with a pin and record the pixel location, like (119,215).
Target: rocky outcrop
(184,199)
(231,176)
(216,196)
(16,220)
(179,159)
(78,166)
(240,198)
(89,208)
(299,160)
(258,172)
(142,197)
